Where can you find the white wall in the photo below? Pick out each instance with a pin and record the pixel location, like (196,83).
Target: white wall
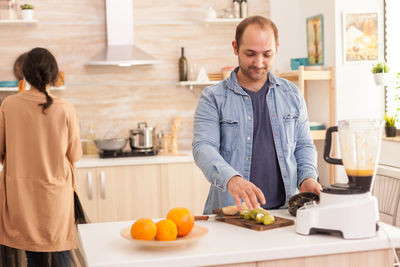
(356,94)
(291,37)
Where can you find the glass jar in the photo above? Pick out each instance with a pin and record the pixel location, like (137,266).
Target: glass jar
(8,9)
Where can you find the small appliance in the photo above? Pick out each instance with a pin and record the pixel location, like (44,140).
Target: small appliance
(348,209)
(141,142)
(142,138)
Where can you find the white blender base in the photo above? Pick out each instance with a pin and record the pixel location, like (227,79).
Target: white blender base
(354,215)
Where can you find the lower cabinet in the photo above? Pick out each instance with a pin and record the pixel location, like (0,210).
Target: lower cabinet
(130,192)
(183,185)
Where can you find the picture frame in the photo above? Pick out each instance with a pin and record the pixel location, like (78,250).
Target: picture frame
(315,40)
(360,36)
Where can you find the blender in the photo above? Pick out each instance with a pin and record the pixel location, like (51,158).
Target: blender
(348,209)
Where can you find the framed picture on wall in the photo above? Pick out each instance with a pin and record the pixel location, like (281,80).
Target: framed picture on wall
(315,40)
(360,36)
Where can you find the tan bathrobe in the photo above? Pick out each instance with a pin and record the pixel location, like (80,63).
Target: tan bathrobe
(37,152)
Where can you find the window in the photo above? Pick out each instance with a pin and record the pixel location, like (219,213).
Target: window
(392,51)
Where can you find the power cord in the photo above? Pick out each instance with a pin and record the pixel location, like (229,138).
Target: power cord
(396,258)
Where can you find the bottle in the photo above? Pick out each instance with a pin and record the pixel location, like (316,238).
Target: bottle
(236,8)
(243,9)
(183,66)
(90,146)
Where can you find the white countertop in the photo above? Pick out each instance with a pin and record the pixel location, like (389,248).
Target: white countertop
(95,161)
(224,244)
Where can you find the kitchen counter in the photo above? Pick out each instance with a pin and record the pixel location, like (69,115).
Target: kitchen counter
(227,244)
(95,161)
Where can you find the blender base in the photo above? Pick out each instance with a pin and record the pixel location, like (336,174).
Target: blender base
(354,216)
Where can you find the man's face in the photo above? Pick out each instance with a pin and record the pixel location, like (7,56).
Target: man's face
(257,51)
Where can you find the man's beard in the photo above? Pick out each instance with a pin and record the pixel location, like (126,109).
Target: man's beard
(262,73)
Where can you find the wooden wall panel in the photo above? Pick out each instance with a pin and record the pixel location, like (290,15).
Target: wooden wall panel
(120,97)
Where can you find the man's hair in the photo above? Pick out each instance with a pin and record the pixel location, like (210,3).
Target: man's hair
(263,22)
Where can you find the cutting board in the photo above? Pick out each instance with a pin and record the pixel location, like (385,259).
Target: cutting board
(252,224)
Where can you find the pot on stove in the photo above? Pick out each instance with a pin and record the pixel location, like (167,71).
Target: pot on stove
(142,138)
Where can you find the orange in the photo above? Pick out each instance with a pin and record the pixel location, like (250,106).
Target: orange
(144,229)
(166,230)
(183,219)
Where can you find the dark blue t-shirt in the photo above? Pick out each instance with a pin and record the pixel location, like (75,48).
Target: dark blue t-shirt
(264,171)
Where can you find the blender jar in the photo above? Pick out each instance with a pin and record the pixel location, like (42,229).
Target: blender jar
(360,142)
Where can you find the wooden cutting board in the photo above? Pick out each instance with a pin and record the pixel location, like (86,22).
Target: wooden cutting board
(252,224)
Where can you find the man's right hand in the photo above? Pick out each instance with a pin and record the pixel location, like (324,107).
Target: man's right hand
(240,188)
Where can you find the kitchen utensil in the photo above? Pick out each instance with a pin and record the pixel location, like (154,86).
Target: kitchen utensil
(196,234)
(297,201)
(112,144)
(142,138)
(349,208)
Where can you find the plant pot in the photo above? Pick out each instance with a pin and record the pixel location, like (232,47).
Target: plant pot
(27,14)
(390,131)
(381,79)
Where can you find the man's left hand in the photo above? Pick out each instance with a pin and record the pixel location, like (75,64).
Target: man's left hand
(310,185)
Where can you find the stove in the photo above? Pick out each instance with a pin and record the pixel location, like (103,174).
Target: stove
(125,154)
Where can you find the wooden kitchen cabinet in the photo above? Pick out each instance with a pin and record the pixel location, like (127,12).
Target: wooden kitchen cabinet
(130,192)
(183,185)
(120,193)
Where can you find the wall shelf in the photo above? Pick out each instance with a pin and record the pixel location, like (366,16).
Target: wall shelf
(318,134)
(196,83)
(18,21)
(15,89)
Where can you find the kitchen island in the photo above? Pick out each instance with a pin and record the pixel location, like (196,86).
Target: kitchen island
(230,245)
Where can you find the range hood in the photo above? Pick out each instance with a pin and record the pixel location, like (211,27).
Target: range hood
(120,49)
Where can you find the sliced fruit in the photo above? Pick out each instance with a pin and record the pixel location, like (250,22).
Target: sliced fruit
(230,210)
(268,219)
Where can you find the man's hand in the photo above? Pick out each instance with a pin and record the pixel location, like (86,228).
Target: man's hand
(310,185)
(240,188)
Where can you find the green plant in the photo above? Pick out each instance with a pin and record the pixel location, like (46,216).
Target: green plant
(377,68)
(389,120)
(26,6)
(397,96)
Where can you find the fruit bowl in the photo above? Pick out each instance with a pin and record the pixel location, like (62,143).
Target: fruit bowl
(197,233)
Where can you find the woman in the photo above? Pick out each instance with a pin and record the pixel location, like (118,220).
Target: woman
(39,143)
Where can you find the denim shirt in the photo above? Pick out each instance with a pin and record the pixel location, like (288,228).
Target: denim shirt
(223,132)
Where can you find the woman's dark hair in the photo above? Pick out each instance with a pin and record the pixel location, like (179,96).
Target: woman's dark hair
(40,69)
(263,22)
(19,62)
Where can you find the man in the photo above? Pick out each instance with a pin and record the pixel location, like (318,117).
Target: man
(251,134)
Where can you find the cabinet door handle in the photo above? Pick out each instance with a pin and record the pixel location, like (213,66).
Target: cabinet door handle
(90,185)
(103,184)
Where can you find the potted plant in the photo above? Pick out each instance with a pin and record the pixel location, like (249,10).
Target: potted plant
(27,11)
(390,128)
(381,73)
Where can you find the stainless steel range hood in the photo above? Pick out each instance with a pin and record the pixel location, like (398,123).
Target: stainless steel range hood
(120,49)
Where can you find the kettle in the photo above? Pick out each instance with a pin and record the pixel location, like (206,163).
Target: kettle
(142,138)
